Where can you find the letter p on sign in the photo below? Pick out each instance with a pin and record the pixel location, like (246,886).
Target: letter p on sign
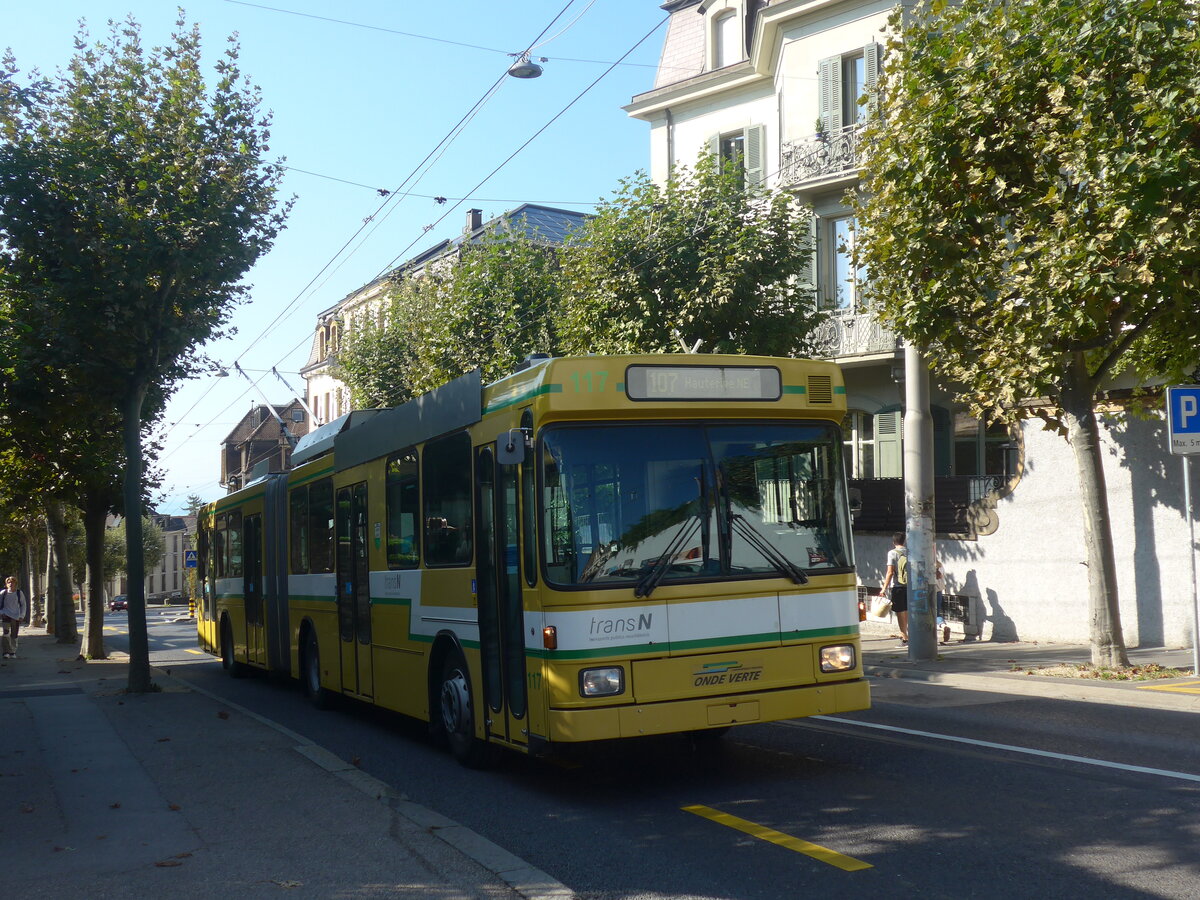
(1183,419)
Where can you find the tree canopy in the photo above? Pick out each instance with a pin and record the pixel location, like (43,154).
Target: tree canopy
(705,256)
(1029,218)
(133,200)
(487,305)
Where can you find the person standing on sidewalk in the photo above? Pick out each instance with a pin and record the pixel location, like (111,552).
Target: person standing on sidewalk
(12,611)
(896,578)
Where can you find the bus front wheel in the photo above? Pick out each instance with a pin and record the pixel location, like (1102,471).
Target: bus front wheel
(310,673)
(458,714)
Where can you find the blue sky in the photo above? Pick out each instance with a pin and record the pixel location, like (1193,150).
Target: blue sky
(362,91)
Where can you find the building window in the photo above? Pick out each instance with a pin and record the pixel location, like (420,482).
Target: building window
(726,43)
(745,147)
(981,449)
(846,87)
(841,279)
(858,444)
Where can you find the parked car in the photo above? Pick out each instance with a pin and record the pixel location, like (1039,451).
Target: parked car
(118,602)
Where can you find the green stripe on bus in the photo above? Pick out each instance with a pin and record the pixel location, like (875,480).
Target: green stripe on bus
(313,476)
(717,643)
(391,601)
(521,398)
(795,389)
(840,389)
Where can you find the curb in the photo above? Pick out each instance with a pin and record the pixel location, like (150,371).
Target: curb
(528,881)
(1125,694)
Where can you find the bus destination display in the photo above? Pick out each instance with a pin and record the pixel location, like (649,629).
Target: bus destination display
(702,383)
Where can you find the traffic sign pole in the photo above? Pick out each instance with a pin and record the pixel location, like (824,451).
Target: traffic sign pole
(1187,511)
(1183,438)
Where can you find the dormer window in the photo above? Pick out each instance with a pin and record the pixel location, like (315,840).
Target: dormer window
(727,47)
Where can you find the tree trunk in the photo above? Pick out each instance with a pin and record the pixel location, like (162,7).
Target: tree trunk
(135,594)
(37,610)
(94,516)
(51,589)
(64,603)
(1083,432)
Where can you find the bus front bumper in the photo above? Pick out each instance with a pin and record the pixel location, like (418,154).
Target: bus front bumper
(573,725)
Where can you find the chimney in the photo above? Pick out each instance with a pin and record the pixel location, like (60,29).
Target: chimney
(474,220)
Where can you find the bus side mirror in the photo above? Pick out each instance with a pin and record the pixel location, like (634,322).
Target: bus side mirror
(855,502)
(510,447)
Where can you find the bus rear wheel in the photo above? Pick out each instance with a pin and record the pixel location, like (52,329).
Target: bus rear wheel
(457,714)
(228,660)
(310,673)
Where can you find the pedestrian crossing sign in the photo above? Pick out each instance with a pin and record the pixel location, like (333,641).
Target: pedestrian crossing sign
(189,559)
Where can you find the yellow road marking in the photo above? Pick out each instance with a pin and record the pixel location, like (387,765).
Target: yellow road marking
(197,652)
(816,851)
(1184,687)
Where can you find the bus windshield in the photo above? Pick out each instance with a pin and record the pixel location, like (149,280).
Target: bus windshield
(639,505)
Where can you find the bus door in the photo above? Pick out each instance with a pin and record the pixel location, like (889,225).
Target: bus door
(498,586)
(354,589)
(252,589)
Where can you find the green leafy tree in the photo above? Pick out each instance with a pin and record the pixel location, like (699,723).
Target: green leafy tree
(1030,217)
(154,546)
(487,306)
(703,257)
(132,202)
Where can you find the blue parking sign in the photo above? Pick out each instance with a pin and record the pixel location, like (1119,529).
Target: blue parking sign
(1183,419)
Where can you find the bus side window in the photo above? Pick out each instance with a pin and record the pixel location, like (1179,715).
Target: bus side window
(299,524)
(403,539)
(320,526)
(446,483)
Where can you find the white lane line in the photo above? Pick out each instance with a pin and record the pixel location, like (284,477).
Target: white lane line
(1066,757)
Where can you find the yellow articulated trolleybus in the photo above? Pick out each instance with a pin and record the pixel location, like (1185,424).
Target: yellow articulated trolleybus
(591,548)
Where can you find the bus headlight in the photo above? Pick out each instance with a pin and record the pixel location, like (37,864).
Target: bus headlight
(602,682)
(837,658)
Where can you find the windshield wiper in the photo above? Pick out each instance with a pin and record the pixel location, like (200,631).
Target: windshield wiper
(769,552)
(648,582)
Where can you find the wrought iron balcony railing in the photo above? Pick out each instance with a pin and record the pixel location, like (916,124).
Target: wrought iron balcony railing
(820,156)
(847,333)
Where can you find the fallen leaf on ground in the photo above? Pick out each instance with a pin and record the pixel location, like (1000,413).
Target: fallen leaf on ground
(174,807)
(222,715)
(163,740)
(116,805)
(165,863)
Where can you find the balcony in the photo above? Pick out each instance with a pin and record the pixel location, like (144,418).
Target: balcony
(846,333)
(964,504)
(822,158)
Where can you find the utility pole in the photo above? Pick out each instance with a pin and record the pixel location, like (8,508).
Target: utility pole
(919,507)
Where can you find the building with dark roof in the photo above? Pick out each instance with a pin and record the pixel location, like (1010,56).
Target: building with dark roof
(327,396)
(259,443)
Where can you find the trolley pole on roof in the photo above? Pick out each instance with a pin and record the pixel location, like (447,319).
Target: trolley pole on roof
(919,506)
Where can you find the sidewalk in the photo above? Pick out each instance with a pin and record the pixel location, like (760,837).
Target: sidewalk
(1002,667)
(176,794)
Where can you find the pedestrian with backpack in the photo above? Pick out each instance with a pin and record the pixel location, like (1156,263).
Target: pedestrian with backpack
(896,578)
(12,611)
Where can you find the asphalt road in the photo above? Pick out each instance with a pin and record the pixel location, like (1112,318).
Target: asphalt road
(934,792)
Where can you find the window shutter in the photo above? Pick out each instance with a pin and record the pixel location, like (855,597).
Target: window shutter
(889,444)
(829,93)
(755,151)
(816,229)
(871,55)
(714,147)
